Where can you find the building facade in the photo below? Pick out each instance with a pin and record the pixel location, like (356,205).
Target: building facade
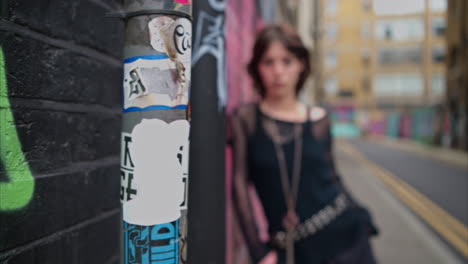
(457,72)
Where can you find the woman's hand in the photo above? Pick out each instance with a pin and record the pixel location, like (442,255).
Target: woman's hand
(270,258)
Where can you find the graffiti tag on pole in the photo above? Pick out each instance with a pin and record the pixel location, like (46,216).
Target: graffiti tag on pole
(18,190)
(210,41)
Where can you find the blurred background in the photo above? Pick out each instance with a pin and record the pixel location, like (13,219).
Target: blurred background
(393,73)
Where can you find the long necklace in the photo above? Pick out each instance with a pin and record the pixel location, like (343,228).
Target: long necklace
(289,192)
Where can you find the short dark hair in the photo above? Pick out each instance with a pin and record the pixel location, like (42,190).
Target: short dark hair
(287,36)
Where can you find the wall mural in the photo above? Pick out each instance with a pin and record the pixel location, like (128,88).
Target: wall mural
(18,190)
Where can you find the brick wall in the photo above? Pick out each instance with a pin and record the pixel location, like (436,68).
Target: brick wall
(60,121)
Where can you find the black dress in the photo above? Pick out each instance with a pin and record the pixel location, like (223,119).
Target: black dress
(345,238)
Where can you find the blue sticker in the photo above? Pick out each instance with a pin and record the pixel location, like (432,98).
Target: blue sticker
(158,244)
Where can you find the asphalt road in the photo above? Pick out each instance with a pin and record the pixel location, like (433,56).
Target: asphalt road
(404,237)
(444,184)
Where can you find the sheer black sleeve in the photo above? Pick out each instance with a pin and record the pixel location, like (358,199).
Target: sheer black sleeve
(239,133)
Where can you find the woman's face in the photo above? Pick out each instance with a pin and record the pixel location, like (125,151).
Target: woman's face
(279,70)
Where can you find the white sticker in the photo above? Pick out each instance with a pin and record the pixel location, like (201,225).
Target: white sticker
(160,81)
(159,154)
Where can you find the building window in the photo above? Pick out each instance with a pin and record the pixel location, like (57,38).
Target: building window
(365,56)
(366,31)
(404,29)
(401,55)
(438,54)
(438,87)
(331,60)
(346,93)
(439,24)
(331,87)
(398,85)
(366,85)
(389,7)
(332,7)
(332,32)
(367,5)
(438,5)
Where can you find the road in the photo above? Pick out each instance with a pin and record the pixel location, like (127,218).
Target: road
(420,203)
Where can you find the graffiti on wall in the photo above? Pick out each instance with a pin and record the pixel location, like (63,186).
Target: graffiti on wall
(210,41)
(18,190)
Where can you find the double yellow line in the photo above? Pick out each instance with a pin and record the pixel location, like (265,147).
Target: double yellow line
(446,225)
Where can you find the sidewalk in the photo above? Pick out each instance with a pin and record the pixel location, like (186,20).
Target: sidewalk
(454,157)
(403,237)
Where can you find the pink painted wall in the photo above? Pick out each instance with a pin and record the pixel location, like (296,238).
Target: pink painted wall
(242,23)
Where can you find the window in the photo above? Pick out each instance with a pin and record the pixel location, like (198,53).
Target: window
(365,56)
(438,87)
(365,31)
(346,93)
(331,60)
(331,7)
(438,54)
(367,5)
(438,5)
(366,85)
(398,7)
(439,25)
(405,29)
(331,86)
(398,85)
(332,31)
(401,55)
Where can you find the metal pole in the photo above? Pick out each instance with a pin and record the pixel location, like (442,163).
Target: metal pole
(155,130)
(207,160)
(317,58)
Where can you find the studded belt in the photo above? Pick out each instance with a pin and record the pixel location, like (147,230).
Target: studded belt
(314,223)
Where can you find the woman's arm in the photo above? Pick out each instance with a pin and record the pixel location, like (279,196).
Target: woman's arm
(257,249)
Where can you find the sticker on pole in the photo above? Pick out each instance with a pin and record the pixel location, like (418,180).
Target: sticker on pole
(154,167)
(160,81)
(185,2)
(153,244)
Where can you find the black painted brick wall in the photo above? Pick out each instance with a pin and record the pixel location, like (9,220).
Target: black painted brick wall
(63,63)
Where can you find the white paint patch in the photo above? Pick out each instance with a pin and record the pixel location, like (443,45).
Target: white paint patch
(159,172)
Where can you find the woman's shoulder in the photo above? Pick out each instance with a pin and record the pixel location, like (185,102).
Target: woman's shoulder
(317,113)
(245,110)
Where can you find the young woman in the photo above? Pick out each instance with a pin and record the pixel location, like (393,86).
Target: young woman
(284,148)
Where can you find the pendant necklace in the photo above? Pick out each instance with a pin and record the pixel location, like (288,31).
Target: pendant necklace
(289,190)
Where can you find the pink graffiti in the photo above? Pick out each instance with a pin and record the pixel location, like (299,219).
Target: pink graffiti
(185,2)
(240,37)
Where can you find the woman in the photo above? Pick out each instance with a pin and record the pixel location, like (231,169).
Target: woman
(284,148)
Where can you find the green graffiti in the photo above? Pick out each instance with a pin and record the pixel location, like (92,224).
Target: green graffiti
(18,191)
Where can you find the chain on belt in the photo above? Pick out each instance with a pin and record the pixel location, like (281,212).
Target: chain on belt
(314,223)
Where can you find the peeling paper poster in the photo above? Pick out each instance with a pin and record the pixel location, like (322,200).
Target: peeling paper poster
(160,81)
(154,170)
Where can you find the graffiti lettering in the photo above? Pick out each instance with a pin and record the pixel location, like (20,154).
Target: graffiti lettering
(182,39)
(218,5)
(151,244)
(137,88)
(127,189)
(18,191)
(210,41)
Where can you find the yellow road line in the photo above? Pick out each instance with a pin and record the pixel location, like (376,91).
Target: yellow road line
(448,227)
